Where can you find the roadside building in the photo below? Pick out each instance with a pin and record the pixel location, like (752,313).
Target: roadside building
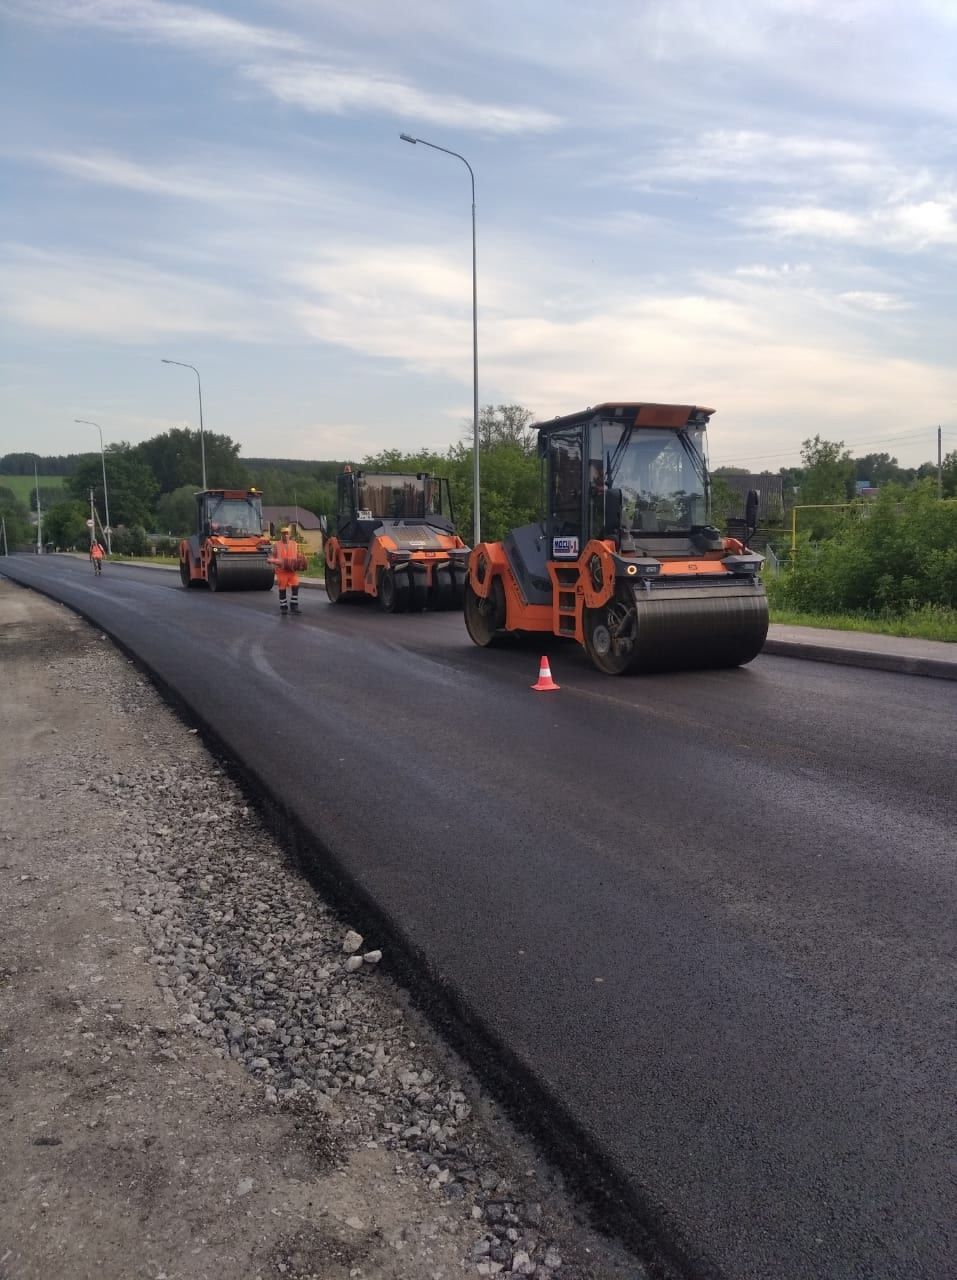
(304,524)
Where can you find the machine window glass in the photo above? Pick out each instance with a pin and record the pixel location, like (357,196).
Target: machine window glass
(596,484)
(662,488)
(235,518)
(395,497)
(566,483)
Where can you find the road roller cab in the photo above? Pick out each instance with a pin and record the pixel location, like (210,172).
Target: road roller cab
(394,540)
(228,551)
(626,560)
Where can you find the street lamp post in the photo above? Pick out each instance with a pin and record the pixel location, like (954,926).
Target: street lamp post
(202,438)
(36,481)
(106,496)
(476,514)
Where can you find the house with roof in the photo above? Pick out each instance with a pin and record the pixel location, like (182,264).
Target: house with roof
(305,525)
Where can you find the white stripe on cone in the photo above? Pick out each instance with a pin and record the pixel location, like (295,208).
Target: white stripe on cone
(545,682)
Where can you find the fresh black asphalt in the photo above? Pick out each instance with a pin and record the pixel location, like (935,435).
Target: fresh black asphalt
(709,916)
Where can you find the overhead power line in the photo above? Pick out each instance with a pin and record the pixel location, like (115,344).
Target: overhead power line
(848,444)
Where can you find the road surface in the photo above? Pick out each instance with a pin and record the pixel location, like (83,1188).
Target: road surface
(707,918)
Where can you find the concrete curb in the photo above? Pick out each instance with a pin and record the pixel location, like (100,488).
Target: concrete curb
(903,664)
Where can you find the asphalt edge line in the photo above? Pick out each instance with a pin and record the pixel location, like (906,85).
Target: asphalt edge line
(644,1225)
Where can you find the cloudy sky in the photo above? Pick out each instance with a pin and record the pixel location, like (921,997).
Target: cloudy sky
(748,204)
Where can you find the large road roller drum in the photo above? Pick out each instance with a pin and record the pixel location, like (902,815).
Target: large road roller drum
(684,628)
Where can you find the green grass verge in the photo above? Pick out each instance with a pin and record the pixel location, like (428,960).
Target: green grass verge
(931,622)
(23,486)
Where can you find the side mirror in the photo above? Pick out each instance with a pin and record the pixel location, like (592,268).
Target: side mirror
(613,506)
(751,511)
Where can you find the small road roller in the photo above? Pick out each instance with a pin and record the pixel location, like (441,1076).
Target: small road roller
(228,551)
(626,560)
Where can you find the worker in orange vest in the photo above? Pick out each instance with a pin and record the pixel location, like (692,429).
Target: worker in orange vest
(288,560)
(96,555)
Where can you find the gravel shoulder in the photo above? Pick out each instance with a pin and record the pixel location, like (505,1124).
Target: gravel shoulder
(201,1073)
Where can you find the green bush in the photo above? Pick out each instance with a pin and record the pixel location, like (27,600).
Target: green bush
(897,554)
(130,541)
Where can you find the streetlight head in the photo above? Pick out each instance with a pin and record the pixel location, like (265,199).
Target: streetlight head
(162,361)
(407,138)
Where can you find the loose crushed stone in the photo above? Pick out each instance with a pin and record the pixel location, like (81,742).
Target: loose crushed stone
(203,1072)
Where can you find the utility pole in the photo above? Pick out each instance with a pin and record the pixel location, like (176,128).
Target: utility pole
(36,480)
(3,530)
(92,521)
(940,467)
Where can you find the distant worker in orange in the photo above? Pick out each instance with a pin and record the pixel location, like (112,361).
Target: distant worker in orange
(96,555)
(288,560)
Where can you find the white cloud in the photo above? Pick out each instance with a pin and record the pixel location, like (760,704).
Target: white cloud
(872,300)
(324,88)
(762,347)
(809,221)
(236,182)
(182,24)
(107,298)
(747,155)
(905,226)
(318,86)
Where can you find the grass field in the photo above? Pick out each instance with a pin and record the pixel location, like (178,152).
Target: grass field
(23,486)
(928,623)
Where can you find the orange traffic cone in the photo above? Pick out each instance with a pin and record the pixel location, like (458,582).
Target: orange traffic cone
(545,681)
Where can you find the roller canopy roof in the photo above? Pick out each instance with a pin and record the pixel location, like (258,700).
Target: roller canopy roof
(635,413)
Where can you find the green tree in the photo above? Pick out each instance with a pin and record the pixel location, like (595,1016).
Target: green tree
(65,524)
(132,485)
(174,457)
(828,472)
(176,512)
(16,518)
(880,469)
(131,540)
(504,424)
(949,474)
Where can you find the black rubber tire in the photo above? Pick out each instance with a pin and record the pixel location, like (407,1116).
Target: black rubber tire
(391,597)
(418,592)
(598,639)
(184,574)
(442,595)
(334,585)
(213,576)
(484,619)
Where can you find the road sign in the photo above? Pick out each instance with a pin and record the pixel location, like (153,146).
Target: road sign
(89,524)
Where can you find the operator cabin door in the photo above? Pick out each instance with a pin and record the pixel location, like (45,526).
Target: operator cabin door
(565,482)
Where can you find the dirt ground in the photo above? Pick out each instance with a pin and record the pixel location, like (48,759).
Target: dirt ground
(155,1122)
